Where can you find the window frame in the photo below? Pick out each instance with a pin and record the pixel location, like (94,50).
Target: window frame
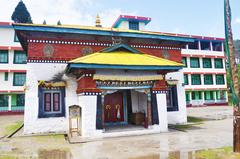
(205,80)
(14,78)
(193,75)
(204,60)
(215,63)
(15,57)
(172,98)
(192,60)
(223,80)
(41,111)
(7,54)
(133,25)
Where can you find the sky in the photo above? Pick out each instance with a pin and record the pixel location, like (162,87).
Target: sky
(194,17)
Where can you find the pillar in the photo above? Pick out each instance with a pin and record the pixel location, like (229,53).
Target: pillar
(9,102)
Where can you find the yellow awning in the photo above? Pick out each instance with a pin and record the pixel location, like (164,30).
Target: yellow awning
(127,78)
(124,58)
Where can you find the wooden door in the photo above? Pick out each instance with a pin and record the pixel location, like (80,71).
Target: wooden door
(113,107)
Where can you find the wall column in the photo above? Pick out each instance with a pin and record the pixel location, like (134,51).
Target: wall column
(9,102)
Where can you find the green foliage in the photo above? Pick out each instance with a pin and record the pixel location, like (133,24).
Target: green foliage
(21,14)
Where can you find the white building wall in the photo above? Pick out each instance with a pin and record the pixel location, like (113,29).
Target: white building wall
(33,124)
(179,116)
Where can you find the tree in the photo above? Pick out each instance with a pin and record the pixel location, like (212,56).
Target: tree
(21,14)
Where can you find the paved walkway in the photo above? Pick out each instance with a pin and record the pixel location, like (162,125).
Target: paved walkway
(173,145)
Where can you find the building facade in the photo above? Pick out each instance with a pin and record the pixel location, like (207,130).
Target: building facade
(12,71)
(205,72)
(118,76)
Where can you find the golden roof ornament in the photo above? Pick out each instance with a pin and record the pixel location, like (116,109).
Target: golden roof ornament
(98,21)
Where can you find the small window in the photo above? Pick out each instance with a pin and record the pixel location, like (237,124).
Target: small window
(19,79)
(5,76)
(205,45)
(208,79)
(209,95)
(207,63)
(172,99)
(184,61)
(186,79)
(194,62)
(16,38)
(3,100)
(20,57)
(51,102)
(220,80)
(196,95)
(134,25)
(3,56)
(20,100)
(196,79)
(218,63)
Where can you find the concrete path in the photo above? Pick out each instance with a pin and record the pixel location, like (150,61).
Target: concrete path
(171,145)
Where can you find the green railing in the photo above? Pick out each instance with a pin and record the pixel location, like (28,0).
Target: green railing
(17,108)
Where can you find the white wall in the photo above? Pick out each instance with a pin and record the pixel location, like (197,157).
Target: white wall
(181,115)
(33,124)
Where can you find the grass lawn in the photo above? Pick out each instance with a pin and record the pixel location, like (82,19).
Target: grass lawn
(220,153)
(9,129)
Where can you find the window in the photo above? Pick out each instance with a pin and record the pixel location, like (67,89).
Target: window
(5,76)
(205,45)
(172,99)
(209,95)
(19,79)
(220,80)
(184,61)
(186,79)
(196,95)
(194,62)
(196,79)
(51,102)
(207,63)
(20,100)
(3,100)
(3,56)
(134,25)
(20,57)
(208,79)
(15,38)
(218,63)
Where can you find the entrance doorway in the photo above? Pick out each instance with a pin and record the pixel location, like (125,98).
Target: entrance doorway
(114,108)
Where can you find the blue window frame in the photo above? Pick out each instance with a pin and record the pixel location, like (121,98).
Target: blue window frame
(51,102)
(134,25)
(20,57)
(172,98)
(3,56)
(19,79)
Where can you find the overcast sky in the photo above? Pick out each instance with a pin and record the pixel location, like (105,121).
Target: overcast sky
(196,17)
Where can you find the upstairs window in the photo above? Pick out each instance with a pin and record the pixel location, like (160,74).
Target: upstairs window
(172,99)
(134,25)
(208,79)
(196,79)
(19,79)
(205,45)
(20,57)
(207,63)
(3,56)
(220,80)
(218,63)
(184,61)
(194,62)
(186,79)
(51,102)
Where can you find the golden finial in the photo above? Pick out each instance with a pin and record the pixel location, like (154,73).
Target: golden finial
(98,21)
